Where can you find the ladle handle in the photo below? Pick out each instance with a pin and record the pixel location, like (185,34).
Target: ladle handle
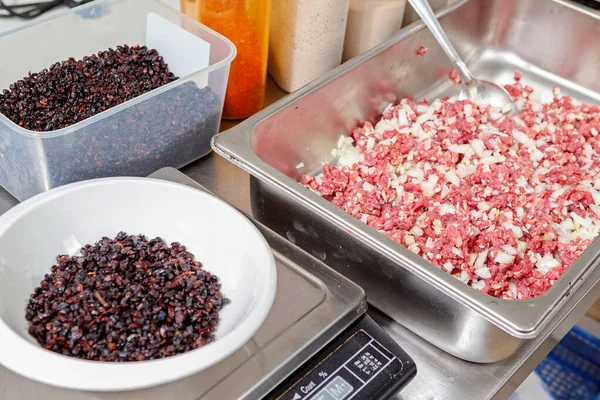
(428,17)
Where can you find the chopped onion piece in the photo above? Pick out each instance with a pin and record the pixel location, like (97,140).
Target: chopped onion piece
(416,230)
(478,146)
(447,209)
(585,222)
(445,191)
(481,257)
(503,258)
(429,243)
(367,186)
(402,118)
(457,252)
(463,170)
(518,232)
(559,192)
(521,137)
(452,177)
(468,109)
(428,187)
(483,206)
(473,92)
(437,226)
(510,250)
(478,284)
(463,276)
(546,97)
(370,144)
(512,286)
(386,125)
(547,263)
(567,224)
(492,160)
(416,173)
(422,108)
(448,266)
(507,108)
(483,272)
(459,148)
(471,260)
(399,192)
(421,119)
(494,115)
(537,155)
(348,156)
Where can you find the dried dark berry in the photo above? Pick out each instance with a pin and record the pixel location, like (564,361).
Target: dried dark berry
(72,91)
(110,304)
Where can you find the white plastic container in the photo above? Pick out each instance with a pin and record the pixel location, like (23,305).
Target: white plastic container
(168,126)
(371,22)
(411,16)
(307,40)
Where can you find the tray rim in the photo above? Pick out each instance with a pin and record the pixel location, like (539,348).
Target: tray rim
(523,319)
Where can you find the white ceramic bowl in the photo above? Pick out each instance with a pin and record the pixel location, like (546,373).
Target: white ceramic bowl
(60,221)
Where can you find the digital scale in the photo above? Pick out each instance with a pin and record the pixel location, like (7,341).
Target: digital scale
(317,343)
(363,363)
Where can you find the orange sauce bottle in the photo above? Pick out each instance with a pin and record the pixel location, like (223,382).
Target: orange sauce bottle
(246,24)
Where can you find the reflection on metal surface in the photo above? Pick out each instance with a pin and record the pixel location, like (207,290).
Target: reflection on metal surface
(495,37)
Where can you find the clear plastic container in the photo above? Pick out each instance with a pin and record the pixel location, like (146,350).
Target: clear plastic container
(169,126)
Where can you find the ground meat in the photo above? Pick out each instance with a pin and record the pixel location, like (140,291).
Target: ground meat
(422,50)
(453,75)
(506,205)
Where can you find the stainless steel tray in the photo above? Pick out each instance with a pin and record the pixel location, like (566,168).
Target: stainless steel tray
(313,304)
(550,41)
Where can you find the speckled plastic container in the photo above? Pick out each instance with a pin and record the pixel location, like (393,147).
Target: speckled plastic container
(307,40)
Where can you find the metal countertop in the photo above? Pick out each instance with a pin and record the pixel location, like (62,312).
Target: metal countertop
(439,376)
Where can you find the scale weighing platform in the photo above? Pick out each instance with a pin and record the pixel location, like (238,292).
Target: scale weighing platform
(317,343)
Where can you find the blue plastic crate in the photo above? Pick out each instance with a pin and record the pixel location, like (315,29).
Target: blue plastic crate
(572,369)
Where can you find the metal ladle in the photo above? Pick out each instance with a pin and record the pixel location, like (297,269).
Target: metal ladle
(474,89)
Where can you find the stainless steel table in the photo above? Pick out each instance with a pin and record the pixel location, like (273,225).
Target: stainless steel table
(439,376)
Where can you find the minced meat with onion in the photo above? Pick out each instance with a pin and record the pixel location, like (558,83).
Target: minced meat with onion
(504,204)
